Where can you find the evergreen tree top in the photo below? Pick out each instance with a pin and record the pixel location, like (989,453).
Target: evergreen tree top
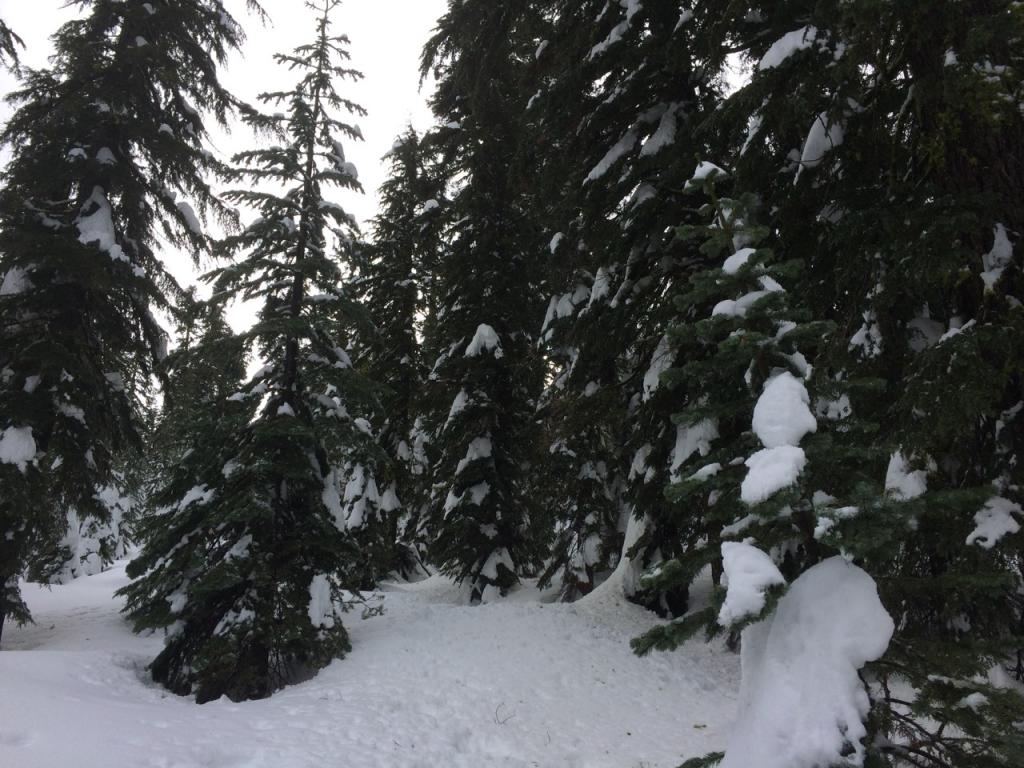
(9,44)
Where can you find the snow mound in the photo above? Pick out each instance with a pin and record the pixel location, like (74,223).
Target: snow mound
(748,573)
(802,704)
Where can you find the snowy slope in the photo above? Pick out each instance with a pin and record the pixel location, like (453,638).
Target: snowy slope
(431,683)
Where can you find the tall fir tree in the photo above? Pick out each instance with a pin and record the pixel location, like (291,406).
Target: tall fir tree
(395,284)
(627,88)
(102,143)
(884,143)
(249,562)
(481,519)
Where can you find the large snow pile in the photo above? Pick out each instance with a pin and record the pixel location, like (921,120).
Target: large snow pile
(802,703)
(433,682)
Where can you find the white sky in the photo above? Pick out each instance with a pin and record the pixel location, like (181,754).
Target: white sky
(387,37)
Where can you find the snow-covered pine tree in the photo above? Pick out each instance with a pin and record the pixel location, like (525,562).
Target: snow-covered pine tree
(748,453)
(9,44)
(481,520)
(619,117)
(248,563)
(395,285)
(207,367)
(102,143)
(885,141)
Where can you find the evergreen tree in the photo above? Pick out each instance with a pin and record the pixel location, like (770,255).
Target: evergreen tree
(248,563)
(627,90)
(395,285)
(206,369)
(884,141)
(481,518)
(102,142)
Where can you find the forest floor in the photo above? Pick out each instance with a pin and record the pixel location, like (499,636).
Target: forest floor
(432,683)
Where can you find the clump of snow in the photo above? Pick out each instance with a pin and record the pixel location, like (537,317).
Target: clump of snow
(734,263)
(17,446)
(901,483)
(705,472)
(15,281)
(996,260)
(771,470)
(993,521)
(691,439)
(955,329)
(705,170)
(458,406)
(97,226)
(661,361)
(824,136)
(479,448)
(664,136)
(321,607)
(869,337)
(791,42)
(748,573)
(782,415)
(802,703)
(616,153)
(485,340)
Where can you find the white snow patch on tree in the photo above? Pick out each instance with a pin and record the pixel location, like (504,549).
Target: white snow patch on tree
(479,448)
(749,572)
(485,340)
(17,446)
(15,281)
(664,136)
(458,406)
(661,361)
(771,470)
(97,226)
(791,42)
(802,703)
(782,415)
(691,439)
(616,153)
(998,259)
(734,263)
(705,170)
(321,604)
(993,521)
(901,483)
(824,136)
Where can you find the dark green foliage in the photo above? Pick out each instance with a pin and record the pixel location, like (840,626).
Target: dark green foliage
(102,142)
(486,378)
(248,561)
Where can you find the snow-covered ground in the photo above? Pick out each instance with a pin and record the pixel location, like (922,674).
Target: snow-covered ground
(431,683)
